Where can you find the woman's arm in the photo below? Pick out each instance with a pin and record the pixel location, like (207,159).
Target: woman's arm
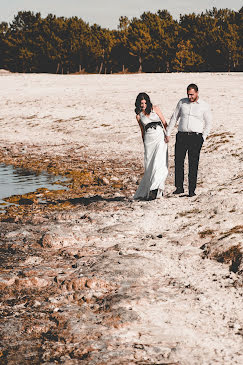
(140,125)
(159,113)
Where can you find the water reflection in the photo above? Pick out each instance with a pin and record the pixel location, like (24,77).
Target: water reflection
(17,181)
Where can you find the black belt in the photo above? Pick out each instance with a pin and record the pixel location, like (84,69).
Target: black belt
(152,125)
(190,133)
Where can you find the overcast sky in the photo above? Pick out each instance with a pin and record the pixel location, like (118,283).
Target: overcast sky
(107,12)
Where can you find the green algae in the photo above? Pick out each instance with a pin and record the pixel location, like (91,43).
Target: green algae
(84,178)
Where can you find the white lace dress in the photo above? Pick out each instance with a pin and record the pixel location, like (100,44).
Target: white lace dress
(155,157)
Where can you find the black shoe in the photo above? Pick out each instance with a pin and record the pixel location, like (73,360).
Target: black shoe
(191,193)
(178,191)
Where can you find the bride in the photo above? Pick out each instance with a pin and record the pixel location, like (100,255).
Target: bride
(152,124)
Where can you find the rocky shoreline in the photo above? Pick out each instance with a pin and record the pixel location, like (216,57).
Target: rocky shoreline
(80,282)
(90,276)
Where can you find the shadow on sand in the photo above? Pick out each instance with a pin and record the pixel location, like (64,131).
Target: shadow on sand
(90,200)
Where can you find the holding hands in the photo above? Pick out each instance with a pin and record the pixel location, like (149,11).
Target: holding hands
(167,138)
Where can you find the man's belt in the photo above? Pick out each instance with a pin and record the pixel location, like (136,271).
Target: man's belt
(190,133)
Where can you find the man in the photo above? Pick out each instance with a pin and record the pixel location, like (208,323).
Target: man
(194,125)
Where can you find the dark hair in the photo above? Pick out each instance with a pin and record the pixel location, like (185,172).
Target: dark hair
(192,86)
(140,97)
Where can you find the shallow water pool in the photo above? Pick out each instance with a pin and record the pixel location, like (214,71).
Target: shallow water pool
(17,181)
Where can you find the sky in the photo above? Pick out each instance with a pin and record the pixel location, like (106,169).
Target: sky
(106,13)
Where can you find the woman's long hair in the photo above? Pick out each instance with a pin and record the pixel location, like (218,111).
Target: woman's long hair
(140,97)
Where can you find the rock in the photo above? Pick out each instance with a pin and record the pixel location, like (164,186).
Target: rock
(32,283)
(25,201)
(59,239)
(85,283)
(105,181)
(134,179)
(6,283)
(38,220)
(33,260)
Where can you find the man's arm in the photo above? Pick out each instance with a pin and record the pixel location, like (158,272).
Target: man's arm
(174,119)
(208,121)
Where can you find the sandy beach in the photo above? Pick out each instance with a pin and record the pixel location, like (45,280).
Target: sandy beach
(91,276)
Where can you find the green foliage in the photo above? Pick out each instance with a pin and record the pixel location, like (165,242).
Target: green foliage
(215,36)
(211,41)
(139,40)
(186,59)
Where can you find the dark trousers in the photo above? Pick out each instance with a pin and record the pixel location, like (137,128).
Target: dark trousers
(191,143)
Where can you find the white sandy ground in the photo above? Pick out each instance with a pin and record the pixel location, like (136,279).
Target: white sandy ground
(189,310)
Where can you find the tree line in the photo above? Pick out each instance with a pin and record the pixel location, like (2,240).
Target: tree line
(154,42)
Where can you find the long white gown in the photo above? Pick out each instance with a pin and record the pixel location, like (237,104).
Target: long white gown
(155,158)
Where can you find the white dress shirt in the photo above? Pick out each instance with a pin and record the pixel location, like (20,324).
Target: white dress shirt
(194,117)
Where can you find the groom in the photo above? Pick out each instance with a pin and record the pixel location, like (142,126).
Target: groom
(194,117)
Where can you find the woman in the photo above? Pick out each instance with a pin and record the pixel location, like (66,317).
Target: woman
(152,124)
